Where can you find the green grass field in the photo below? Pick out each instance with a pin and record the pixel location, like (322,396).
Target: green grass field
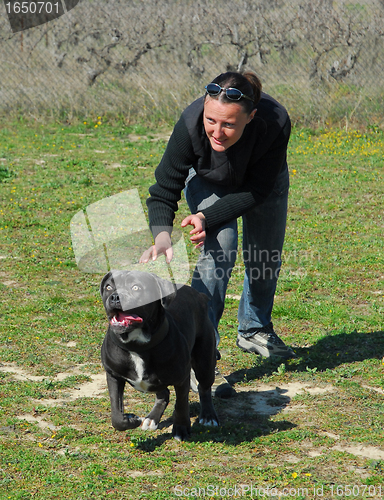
(308,428)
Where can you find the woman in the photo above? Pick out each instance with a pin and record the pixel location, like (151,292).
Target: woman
(228,151)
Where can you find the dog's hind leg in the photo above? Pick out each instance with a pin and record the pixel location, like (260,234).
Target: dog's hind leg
(181,419)
(121,421)
(208,415)
(204,368)
(151,421)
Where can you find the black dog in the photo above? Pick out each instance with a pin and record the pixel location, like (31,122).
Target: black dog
(156,335)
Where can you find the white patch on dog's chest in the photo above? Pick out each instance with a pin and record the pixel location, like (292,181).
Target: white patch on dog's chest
(138,336)
(140,384)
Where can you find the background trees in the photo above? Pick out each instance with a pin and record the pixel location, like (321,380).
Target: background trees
(323,59)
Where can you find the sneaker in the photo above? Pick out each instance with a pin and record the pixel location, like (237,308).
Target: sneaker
(265,342)
(220,388)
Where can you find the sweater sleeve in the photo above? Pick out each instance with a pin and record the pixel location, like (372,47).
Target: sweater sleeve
(170,175)
(257,186)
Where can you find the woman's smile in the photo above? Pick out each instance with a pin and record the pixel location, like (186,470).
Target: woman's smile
(224,123)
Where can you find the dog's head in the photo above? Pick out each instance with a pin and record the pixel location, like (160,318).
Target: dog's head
(133,300)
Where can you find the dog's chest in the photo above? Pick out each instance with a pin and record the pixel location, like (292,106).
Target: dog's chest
(141,382)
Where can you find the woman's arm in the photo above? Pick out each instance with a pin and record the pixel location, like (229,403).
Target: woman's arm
(170,175)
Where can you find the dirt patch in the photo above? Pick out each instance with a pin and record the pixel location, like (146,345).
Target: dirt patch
(10,283)
(138,473)
(233,297)
(19,373)
(266,400)
(94,389)
(154,137)
(376,389)
(270,400)
(39,421)
(115,165)
(370,452)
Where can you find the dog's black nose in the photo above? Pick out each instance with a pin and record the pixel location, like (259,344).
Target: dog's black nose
(114,300)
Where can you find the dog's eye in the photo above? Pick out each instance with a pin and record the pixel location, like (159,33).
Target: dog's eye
(135,288)
(108,287)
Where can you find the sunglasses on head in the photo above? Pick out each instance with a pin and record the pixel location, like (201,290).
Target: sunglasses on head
(214,89)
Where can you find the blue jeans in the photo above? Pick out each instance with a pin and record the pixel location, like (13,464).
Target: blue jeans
(263,238)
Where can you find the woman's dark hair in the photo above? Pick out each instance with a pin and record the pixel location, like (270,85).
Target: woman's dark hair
(248,83)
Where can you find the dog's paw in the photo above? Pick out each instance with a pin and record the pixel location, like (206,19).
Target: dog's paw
(149,424)
(127,421)
(209,417)
(180,432)
(212,422)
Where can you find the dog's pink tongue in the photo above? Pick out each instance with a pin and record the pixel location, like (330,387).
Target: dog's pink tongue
(126,319)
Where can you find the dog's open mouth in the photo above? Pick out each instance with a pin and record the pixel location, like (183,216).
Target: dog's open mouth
(125,319)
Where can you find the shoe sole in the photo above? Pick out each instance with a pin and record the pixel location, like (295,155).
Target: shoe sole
(222,391)
(253,349)
(262,350)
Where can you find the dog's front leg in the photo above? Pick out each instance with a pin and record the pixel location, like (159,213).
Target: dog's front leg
(181,419)
(121,421)
(152,420)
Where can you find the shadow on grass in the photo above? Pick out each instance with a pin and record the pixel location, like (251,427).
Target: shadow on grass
(329,352)
(240,423)
(243,420)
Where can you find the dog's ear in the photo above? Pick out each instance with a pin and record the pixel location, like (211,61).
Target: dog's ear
(103,281)
(168,291)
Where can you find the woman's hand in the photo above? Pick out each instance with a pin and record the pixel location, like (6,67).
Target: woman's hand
(163,245)
(198,233)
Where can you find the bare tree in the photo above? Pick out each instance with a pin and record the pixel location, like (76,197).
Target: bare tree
(328,31)
(162,49)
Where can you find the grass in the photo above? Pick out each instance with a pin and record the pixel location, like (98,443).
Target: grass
(323,428)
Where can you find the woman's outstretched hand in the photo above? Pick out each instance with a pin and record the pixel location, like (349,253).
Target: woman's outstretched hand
(162,246)
(198,233)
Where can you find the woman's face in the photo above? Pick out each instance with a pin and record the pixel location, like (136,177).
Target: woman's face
(224,123)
